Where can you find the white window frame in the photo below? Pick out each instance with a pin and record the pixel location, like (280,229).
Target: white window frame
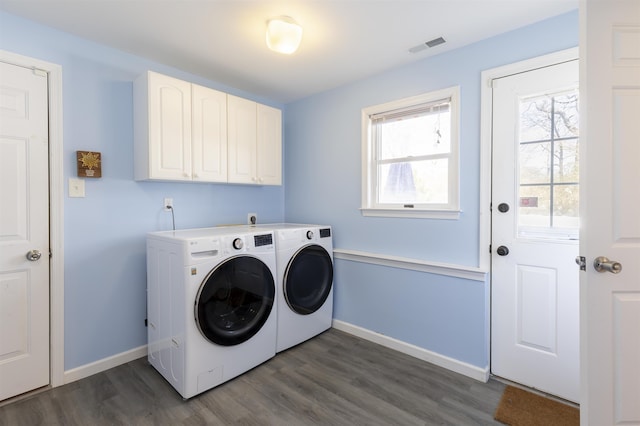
(369,206)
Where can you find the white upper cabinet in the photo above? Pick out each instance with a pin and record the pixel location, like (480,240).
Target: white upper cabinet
(255,142)
(180,130)
(209,135)
(269,143)
(186,132)
(162,128)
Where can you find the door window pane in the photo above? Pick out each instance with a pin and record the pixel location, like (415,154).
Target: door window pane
(534,119)
(533,209)
(548,161)
(534,163)
(565,109)
(565,161)
(566,212)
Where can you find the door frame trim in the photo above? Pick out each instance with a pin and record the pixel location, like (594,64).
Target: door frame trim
(56,210)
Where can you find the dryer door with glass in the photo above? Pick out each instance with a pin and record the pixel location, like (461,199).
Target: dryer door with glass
(235,300)
(308,279)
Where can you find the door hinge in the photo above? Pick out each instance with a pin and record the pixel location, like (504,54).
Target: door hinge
(39,72)
(582,262)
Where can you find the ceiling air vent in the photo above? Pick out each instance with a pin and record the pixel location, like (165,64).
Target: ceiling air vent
(427,44)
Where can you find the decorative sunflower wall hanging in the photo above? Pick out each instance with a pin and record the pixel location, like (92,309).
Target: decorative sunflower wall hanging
(89,164)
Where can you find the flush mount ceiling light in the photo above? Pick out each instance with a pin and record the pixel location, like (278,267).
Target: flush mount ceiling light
(283,34)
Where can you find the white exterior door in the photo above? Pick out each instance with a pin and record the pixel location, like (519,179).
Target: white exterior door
(610,197)
(535,222)
(24,231)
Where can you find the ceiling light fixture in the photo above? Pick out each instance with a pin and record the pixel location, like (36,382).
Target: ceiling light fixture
(283,34)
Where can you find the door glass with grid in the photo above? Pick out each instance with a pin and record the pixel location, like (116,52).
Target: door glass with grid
(548,166)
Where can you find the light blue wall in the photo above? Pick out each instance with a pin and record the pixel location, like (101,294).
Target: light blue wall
(323,181)
(104,232)
(105,271)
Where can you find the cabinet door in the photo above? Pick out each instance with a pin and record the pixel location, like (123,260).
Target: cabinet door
(209,154)
(241,140)
(169,128)
(269,145)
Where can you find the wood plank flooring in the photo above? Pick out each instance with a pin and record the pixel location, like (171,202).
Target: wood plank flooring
(333,379)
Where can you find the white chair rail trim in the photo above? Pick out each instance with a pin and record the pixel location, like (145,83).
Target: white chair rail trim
(450,270)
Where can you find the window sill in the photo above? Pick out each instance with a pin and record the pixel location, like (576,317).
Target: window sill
(412,214)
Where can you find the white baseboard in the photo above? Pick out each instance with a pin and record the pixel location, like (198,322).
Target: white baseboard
(477,373)
(104,364)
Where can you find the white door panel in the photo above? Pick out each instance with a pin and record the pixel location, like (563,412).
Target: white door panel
(610,315)
(534,285)
(24,227)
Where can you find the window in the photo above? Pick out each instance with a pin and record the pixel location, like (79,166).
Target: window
(410,157)
(549,168)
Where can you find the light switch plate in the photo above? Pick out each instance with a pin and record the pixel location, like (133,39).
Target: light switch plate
(76,188)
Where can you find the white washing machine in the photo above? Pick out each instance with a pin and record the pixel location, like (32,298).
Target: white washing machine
(212,304)
(304,263)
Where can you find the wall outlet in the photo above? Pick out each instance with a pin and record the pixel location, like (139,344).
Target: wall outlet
(168,202)
(252,218)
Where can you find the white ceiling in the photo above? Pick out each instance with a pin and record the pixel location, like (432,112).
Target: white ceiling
(343,40)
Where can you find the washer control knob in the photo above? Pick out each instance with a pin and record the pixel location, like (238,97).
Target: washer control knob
(309,235)
(237,243)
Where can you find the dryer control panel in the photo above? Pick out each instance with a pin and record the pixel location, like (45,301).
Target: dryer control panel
(263,240)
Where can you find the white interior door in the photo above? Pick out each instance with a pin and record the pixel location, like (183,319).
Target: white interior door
(535,222)
(610,314)
(24,231)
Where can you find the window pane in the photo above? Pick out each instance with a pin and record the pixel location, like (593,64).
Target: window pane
(565,161)
(534,162)
(414,182)
(566,206)
(411,137)
(535,119)
(533,209)
(566,115)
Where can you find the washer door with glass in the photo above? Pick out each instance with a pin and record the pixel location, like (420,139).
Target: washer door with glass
(308,279)
(235,300)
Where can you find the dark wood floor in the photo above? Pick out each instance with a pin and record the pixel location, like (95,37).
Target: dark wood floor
(333,379)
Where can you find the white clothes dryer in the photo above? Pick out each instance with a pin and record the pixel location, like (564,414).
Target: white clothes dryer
(304,263)
(212,304)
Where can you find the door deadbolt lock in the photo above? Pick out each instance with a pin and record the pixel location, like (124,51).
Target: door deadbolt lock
(503,207)
(602,264)
(34,255)
(502,251)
